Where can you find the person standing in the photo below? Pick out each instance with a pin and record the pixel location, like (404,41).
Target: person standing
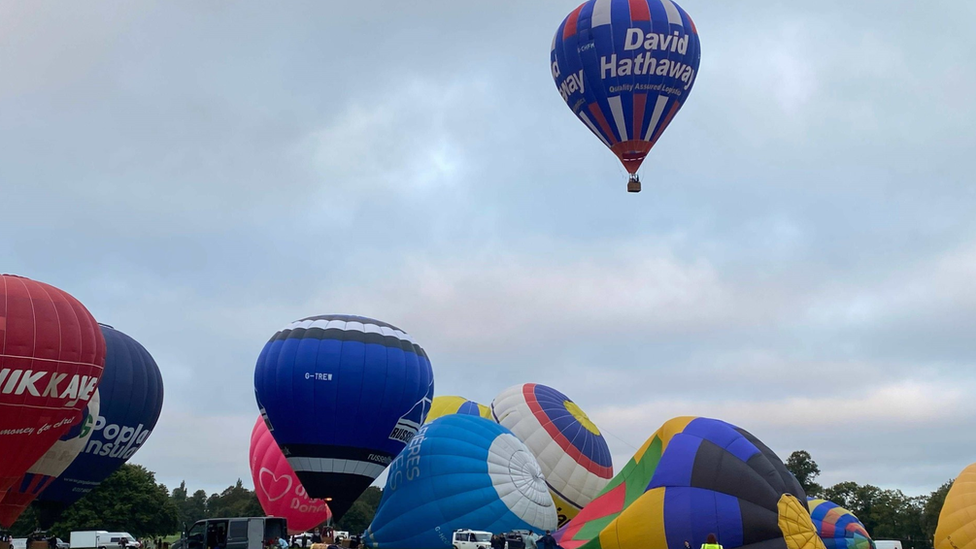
(546,541)
(711,542)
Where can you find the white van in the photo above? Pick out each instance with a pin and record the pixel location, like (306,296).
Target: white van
(887,544)
(102,539)
(471,539)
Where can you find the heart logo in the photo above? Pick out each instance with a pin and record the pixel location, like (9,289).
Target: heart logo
(274,487)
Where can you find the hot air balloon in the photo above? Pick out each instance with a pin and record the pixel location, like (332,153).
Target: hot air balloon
(574,456)
(342,395)
(838,527)
(957,520)
(625,68)
(460,471)
(51,359)
(277,487)
(693,477)
(131,395)
(445,405)
(49,467)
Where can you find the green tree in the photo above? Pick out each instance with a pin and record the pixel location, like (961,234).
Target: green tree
(235,501)
(806,471)
(932,509)
(128,500)
(360,515)
(192,508)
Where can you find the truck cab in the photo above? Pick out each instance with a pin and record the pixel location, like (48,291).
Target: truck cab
(236,533)
(471,539)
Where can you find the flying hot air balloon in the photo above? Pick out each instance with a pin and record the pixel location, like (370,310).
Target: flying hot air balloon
(625,68)
(342,395)
(573,454)
(460,471)
(957,519)
(446,405)
(277,487)
(694,477)
(131,399)
(49,467)
(51,359)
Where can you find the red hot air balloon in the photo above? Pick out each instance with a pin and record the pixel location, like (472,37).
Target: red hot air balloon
(51,358)
(278,489)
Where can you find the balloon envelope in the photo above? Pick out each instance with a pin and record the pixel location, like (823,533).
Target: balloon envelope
(446,405)
(571,451)
(277,487)
(51,359)
(131,395)
(460,471)
(693,477)
(838,527)
(625,68)
(342,395)
(49,467)
(958,516)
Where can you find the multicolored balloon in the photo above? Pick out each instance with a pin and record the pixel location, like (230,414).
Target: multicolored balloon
(955,528)
(460,471)
(49,467)
(571,451)
(838,527)
(693,477)
(277,487)
(446,405)
(51,359)
(131,395)
(625,68)
(342,395)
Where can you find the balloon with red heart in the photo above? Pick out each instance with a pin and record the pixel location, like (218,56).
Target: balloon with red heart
(278,489)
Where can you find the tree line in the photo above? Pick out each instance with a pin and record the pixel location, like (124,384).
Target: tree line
(130,500)
(886,514)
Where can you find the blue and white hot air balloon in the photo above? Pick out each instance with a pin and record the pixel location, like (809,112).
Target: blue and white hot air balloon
(460,471)
(342,396)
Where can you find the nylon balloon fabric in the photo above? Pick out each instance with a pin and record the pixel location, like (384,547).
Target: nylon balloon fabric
(571,451)
(445,405)
(838,527)
(460,471)
(957,520)
(131,399)
(51,360)
(277,487)
(625,68)
(693,477)
(342,395)
(49,467)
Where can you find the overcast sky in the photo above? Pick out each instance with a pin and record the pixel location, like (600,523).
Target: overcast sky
(801,262)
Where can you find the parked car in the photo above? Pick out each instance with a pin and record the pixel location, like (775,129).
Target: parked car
(513,540)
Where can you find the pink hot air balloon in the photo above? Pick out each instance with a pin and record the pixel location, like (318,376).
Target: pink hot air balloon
(278,489)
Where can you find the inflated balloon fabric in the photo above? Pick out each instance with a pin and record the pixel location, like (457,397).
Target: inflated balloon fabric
(131,396)
(277,487)
(342,395)
(957,521)
(460,471)
(693,477)
(571,451)
(625,68)
(838,527)
(51,359)
(445,405)
(49,467)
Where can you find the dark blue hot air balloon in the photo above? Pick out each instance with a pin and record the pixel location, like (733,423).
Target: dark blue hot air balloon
(342,396)
(131,393)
